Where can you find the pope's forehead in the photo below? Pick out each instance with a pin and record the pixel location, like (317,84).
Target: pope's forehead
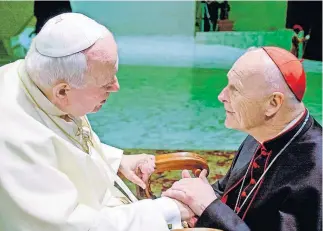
(104,50)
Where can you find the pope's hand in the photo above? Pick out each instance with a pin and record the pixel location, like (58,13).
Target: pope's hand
(137,168)
(307,37)
(197,193)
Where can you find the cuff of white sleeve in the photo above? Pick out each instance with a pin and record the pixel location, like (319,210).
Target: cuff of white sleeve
(170,212)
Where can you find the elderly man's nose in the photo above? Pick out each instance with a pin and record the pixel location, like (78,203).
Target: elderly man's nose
(115,87)
(222,95)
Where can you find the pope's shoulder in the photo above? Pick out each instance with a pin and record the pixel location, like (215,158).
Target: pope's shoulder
(20,128)
(8,66)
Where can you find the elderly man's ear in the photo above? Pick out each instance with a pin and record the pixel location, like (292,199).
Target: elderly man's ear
(60,92)
(275,101)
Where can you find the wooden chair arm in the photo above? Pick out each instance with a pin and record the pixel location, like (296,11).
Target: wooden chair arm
(175,161)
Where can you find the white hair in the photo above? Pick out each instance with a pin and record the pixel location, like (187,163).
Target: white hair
(274,78)
(46,71)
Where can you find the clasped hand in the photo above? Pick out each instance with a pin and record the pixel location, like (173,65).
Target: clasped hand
(192,195)
(196,193)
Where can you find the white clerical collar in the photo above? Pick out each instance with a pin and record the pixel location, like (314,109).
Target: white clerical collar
(292,123)
(32,89)
(287,127)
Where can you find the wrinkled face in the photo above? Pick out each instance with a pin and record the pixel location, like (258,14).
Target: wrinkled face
(102,81)
(243,98)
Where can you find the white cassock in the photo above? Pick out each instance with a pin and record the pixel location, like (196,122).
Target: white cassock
(47,181)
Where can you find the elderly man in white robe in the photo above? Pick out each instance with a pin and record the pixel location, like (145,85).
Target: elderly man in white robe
(55,174)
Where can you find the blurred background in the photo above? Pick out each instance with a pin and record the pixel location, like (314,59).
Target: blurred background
(174,57)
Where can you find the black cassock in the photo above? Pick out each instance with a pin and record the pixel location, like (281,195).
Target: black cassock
(287,198)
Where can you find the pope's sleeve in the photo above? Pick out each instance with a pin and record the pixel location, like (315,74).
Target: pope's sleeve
(36,196)
(112,156)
